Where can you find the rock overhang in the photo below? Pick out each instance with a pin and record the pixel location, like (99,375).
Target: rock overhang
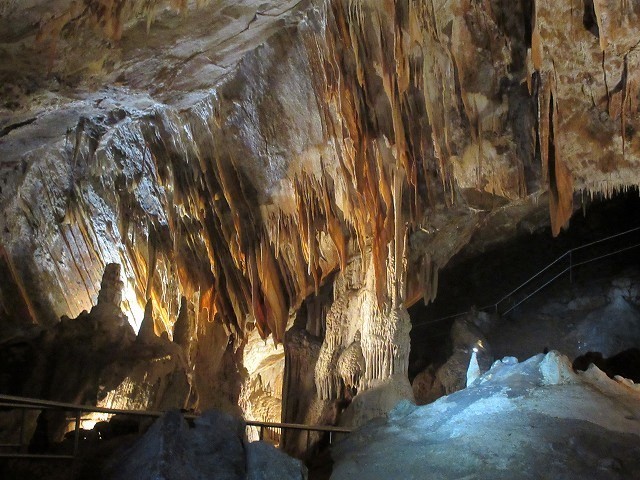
(337,124)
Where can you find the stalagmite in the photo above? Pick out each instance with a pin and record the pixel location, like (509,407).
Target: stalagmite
(111,287)
(147,333)
(473,372)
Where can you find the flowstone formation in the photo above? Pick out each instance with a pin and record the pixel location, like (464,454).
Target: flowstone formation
(232,156)
(351,363)
(364,341)
(533,419)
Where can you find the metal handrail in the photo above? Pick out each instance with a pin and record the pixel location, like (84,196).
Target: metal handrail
(605,239)
(297,426)
(572,265)
(536,291)
(532,278)
(34,403)
(605,255)
(25,403)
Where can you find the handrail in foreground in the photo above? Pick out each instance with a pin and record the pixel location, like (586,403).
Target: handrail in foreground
(494,307)
(25,403)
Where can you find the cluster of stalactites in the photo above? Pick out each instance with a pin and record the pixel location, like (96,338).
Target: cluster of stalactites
(612,88)
(332,211)
(107,16)
(386,161)
(372,81)
(234,264)
(263,268)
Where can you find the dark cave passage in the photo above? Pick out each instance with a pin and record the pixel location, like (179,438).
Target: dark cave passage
(477,281)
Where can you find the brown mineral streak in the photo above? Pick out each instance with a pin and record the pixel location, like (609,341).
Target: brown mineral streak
(403,104)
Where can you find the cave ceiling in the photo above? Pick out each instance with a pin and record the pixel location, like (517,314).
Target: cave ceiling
(240,152)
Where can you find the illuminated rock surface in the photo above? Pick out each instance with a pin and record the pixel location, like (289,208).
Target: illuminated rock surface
(94,359)
(529,420)
(268,143)
(236,158)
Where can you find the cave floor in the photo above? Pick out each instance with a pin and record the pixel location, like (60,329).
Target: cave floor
(530,420)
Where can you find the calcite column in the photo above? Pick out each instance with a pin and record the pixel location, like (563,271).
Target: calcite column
(356,319)
(385,343)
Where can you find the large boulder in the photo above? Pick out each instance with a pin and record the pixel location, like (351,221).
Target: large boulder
(216,447)
(265,462)
(377,401)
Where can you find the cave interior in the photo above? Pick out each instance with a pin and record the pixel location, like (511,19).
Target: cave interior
(386,237)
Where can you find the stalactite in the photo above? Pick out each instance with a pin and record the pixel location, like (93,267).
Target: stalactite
(151,267)
(400,105)
(277,308)
(184,332)
(559,177)
(430,278)
(601,11)
(398,276)
(147,334)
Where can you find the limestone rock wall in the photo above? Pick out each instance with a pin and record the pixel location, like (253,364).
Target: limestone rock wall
(94,359)
(238,153)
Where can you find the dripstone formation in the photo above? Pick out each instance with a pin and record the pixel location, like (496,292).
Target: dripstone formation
(231,165)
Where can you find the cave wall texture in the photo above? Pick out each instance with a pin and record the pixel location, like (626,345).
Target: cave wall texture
(239,153)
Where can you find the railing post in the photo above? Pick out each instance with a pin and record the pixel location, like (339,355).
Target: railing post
(76,438)
(261,433)
(308,441)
